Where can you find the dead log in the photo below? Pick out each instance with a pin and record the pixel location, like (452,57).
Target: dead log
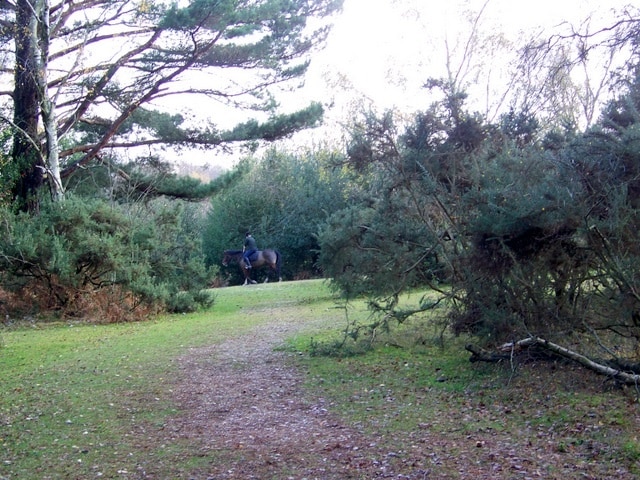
(624,365)
(480,355)
(508,349)
(510,352)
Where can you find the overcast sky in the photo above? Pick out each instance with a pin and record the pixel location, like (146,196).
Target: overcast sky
(384,50)
(387,48)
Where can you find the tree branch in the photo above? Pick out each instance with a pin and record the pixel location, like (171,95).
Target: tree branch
(619,374)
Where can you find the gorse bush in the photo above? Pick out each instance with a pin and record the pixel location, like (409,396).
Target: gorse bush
(523,260)
(83,257)
(521,234)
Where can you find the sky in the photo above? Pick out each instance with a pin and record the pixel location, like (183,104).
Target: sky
(382,51)
(387,48)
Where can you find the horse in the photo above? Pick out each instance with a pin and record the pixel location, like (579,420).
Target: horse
(260,258)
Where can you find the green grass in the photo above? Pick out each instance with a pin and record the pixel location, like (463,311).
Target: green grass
(76,399)
(89,401)
(417,383)
(393,386)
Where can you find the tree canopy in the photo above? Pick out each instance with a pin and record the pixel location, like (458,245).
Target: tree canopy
(96,73)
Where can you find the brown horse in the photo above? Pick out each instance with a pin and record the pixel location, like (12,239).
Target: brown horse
(261,258)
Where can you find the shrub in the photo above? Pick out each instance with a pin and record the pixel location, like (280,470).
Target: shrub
(84,258)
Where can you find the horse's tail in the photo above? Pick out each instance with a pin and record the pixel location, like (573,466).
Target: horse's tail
(278,264)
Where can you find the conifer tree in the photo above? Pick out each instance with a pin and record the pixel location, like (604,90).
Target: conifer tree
(92,73)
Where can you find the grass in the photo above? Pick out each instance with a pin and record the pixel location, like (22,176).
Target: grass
(79,400)
(393,385)
(417,384)
(435,395)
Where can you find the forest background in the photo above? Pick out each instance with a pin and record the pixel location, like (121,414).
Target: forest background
(522,214)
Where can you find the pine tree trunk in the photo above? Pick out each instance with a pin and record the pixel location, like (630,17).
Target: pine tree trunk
(31,101)
(26,109)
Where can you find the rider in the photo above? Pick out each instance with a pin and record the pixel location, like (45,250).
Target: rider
(249,248)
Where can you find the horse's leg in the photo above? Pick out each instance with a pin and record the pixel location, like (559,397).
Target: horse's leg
(247,275)
(277,266)
(274,267)
(266,277)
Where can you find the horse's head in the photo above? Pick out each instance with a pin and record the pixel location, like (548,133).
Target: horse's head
(230,256)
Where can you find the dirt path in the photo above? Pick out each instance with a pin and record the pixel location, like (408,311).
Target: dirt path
(244,407)
(244,414)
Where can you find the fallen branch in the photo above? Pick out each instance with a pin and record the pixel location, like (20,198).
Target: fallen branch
(480,355)
(508,349)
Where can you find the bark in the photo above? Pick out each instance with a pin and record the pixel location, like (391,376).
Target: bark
(26,108)
(46,106)
(31,102)
(508,350)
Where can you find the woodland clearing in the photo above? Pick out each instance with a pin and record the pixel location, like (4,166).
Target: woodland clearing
(234,394)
